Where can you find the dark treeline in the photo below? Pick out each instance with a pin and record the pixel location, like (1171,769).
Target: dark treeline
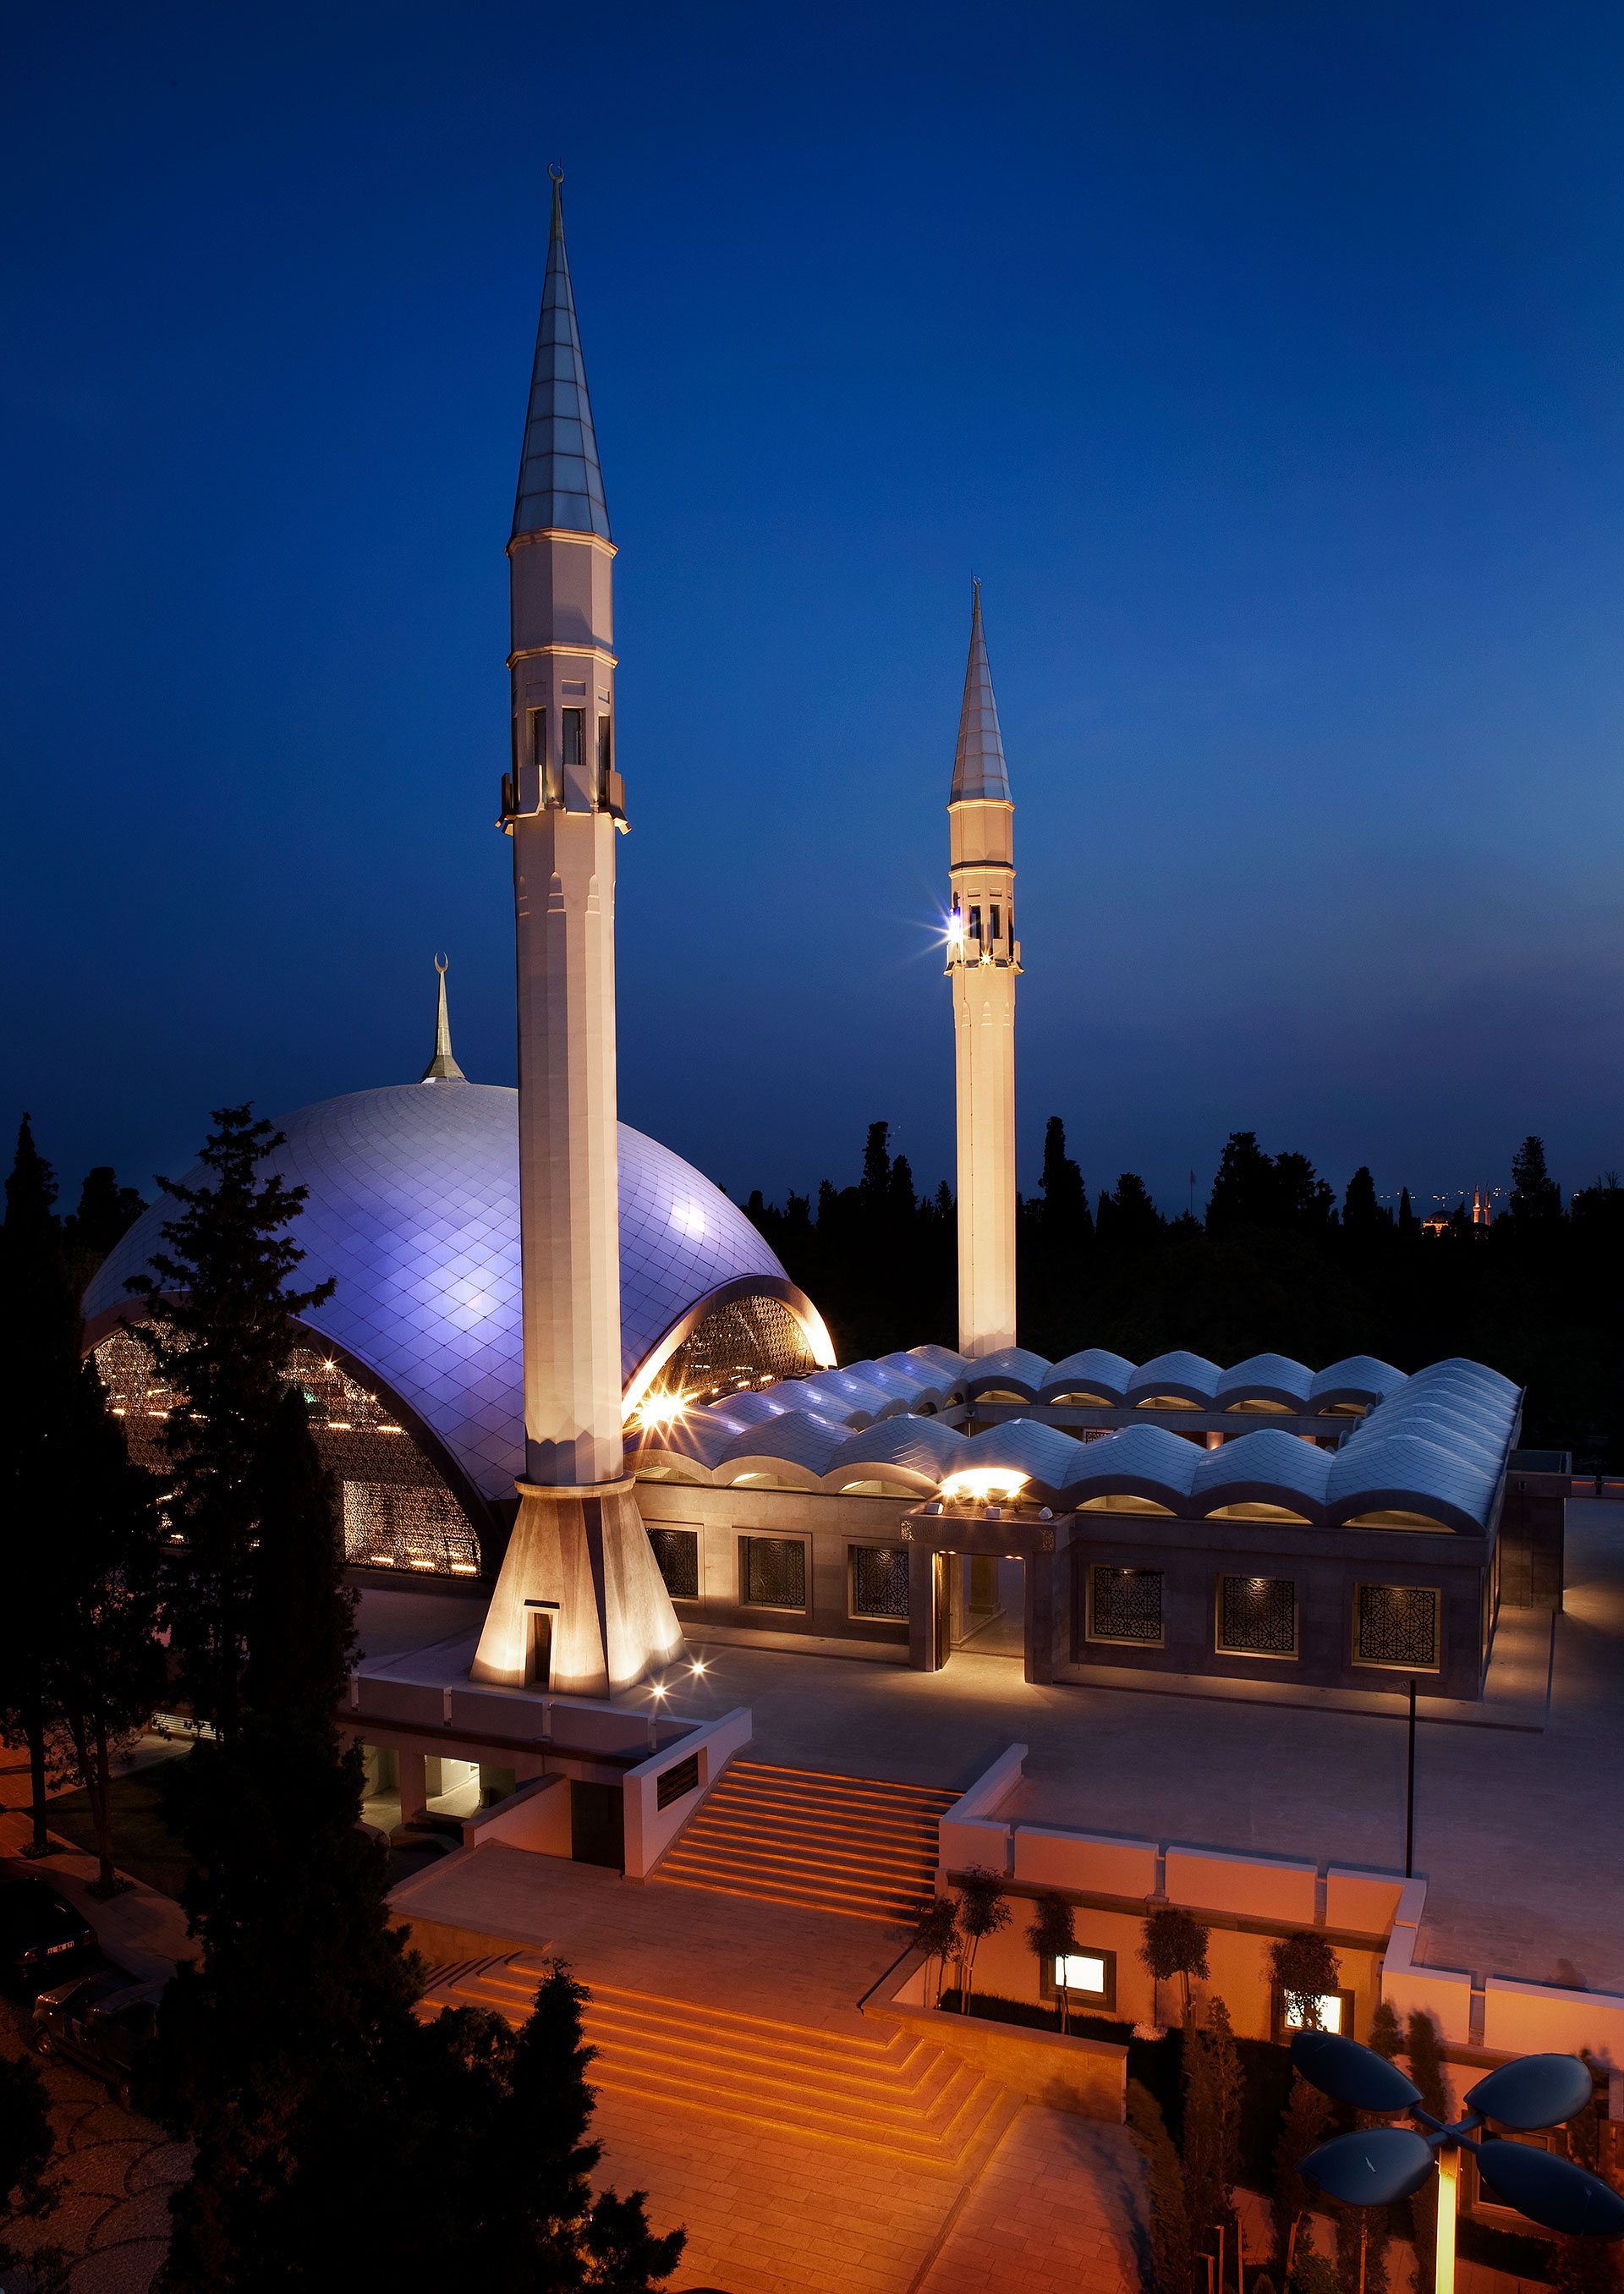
(1276,1264)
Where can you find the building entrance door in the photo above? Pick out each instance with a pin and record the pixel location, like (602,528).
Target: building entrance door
(944,1568)
(990,1617)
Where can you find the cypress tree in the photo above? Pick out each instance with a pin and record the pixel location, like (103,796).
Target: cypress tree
(1302,2129)
(1170,2231)
(218,1331)
(1426,2069)
(104,1664)
(39,1361)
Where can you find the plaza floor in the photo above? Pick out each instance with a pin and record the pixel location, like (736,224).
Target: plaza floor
(1514,1795)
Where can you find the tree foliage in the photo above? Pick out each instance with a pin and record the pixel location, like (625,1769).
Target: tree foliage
(1302,2129)
(218,1331)
(26,2193)
(1052,1937)
(1170,2236)
(984,1909)
(1305,1969)
(1175,1944)
(1211,2122)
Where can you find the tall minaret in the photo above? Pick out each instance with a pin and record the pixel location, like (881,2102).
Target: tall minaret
(983,961)
(579,1606)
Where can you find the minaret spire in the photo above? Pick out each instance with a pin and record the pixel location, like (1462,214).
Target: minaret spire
(979,770)
(579,1606)
(983,965)
(442,1068)
(561,487)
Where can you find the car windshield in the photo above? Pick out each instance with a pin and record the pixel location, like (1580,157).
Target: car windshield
(97,1988)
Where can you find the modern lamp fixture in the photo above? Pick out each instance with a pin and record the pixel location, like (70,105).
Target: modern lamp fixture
(1373,2166)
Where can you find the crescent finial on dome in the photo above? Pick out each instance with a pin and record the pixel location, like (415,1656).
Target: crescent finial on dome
(442,1068)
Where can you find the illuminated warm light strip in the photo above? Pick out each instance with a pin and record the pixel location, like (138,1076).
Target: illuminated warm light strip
(982,1483)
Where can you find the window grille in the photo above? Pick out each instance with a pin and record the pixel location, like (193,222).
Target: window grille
(677,1553)
(677,1781)
(1126,1604)
(1257,1616)
(398,1511)
(774,1573)
(879,1582)
(747,1343)
(1397,1625)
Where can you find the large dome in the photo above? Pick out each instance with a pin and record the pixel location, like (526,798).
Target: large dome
(413,1209)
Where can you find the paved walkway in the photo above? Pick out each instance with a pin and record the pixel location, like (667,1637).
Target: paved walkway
(1060,2208)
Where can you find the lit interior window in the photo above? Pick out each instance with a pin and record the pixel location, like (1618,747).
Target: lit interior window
(1080,1972)
(1330,2012)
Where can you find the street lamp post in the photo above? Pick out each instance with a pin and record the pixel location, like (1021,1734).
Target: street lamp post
(1374,2165)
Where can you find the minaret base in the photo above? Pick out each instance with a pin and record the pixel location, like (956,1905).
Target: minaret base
(580,1606)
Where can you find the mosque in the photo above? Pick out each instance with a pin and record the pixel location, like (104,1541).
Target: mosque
(558,1362)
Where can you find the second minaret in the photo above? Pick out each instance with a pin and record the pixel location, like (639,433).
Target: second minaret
(983,965)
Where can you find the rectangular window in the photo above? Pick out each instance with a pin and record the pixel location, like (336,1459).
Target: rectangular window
(605,759)
(975,923)
(773,1573)
(1091,1978)
(677,1781)
(879,1580)
(1396,1625)
(574,727)
(1257,1616)
(995,932)
(1124,1605)
(677,1554)
(1336,2013)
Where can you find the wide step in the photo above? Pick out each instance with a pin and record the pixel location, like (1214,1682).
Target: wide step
(899,2096)
(815,1841)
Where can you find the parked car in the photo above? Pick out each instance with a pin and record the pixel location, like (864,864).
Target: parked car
(42,1937)
(101,2022)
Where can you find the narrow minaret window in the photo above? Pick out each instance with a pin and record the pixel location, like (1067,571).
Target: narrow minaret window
(571,736)
(981,816)
(605,760)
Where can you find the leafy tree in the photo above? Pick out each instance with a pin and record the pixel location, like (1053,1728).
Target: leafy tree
(1361,1214)
(1386,2034)
(983,1910)
(26,2193)
(104,1665)
(1426,2069)
(1054,1938)
(1305,1969)
(936,1933)
(1211,2122)
(219,1329)
(1170,2239)
(1535,1199)
(1588,2266)
(1361,2248)
(1175,1944)
(1302,2130)
(1314,2274)
(39,1347)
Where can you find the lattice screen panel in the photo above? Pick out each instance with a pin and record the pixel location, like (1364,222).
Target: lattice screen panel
(1397,1625)
(1126,1604)
(1257,1616)
(879,1580)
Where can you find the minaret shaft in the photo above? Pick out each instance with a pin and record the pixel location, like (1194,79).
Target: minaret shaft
(564,904)
(983,965)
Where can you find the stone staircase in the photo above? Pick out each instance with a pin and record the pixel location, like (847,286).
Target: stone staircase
(901,2097)
(824,1842)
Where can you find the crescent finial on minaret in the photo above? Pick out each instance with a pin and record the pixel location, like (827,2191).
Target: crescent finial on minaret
(442,1068)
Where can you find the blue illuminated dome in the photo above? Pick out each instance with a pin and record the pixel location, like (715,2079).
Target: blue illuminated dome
(413,1209)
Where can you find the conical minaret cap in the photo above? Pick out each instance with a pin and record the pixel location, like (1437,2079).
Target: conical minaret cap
(979,768)
(560,484)
(442,1068)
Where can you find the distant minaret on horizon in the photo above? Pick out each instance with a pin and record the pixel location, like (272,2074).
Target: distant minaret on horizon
(983,965)
(579,1606)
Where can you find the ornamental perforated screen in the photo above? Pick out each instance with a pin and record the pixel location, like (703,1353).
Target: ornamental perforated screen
(879,1580)
(398,1512)
(1397,1624)
(749,1342)
(1126,1604)
(677,1553)
(774,1573)
(1257,1616)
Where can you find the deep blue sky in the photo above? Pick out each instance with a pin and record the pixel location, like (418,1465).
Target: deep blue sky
(1267,363)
